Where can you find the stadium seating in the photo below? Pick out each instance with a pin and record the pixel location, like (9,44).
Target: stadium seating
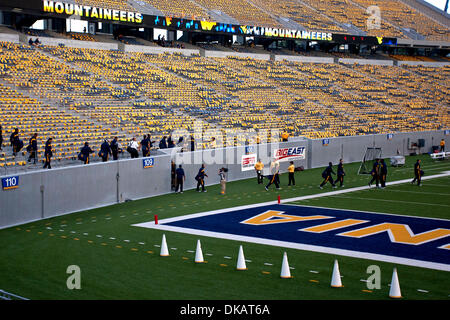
(94,94)
(179,8)
(407,17)
(303,15)
(109,4)
(242,11)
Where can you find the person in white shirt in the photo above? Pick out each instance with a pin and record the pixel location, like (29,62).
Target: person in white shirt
(133,147)
(274,176)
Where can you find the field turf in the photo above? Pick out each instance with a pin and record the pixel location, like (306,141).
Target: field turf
(119,261)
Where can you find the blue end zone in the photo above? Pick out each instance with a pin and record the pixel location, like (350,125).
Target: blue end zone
(230,223)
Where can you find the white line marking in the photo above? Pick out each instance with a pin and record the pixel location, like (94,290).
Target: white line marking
(434,193)
(111,238)
(126,240)
(421,290)
(227,257)
(190,251)
(208,254)
(99,236)
(395,201)
(313,271)
(142,243)
(268,264)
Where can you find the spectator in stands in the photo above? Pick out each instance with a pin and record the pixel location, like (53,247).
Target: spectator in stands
(145,146)
(192,140)
(291,170)
(150,142)
(16,143)
(259,166)
(30,42)
(223,180)
(340,173)
(115,148)
(1,137)
(133,147)
(32,148)
(326,175)
(85,153)
(181,177)
(180,142)
(37,42)
(105,151)
(285,136)
(441,144)
(48,153)
(163,143)
(170,143)
(200,177)
(213,144)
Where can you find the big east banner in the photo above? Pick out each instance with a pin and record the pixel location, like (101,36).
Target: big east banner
(290,154)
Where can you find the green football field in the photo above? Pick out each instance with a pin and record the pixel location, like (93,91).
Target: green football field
(119,261)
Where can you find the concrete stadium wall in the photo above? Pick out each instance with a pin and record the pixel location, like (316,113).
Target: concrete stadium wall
(304,59)
(224,54)
(48,193)
(423,63)
(72,43)
(366,61)
(158,50)
(7,37)
(231,158)
(352,149)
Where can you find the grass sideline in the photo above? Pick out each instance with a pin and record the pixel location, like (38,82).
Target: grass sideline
(119,261)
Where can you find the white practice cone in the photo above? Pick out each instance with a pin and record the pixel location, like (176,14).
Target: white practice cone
(164,250)
(336,278)
(285,271)
(394,292)
(241,260)
(199,253)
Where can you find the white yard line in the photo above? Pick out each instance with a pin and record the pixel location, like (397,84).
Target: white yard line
(395,201)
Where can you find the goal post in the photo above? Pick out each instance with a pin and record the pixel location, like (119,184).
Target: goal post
(369,158)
